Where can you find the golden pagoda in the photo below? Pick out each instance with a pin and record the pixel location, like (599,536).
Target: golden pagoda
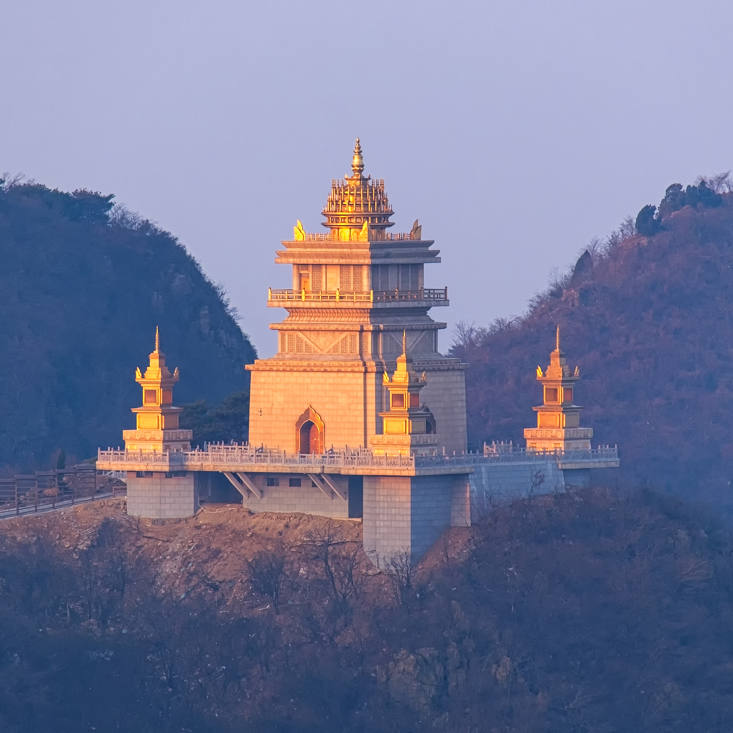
(558,418)
(408,427)
(157,420)
(357,207)
(358,294)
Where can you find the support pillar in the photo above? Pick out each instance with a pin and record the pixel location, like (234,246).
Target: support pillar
(408,513)
(160,495)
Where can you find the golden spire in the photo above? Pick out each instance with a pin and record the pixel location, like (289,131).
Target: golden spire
(557,339)
(404,342)
(357,208)
(357,163)
(157,340)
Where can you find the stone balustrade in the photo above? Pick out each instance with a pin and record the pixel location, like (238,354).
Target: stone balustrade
(436,296)
(247,458)
(377,236)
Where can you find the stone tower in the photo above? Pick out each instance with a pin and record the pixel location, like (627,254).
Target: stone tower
(357,289)
(157,420)
(558,418)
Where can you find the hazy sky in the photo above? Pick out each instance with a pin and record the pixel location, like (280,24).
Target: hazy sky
(515,131)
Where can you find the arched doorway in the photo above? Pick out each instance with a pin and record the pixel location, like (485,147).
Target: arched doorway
(309,433)
(310,438)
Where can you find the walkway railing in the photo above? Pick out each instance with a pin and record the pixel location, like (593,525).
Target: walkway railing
(216,456)
(44,490)
(434,295)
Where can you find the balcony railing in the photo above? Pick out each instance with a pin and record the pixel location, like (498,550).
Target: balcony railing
(433,295)
(240,457)
(384,236)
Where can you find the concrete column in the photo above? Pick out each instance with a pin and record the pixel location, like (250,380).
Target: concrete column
(161,495)
(406,514)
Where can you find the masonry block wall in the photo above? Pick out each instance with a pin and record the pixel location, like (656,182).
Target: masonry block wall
(503,482)
(162,496)
(341,398)
(445,395)
(460,511)
(305,498)
(432,500)
(387,516)
(348,399)
(405,514)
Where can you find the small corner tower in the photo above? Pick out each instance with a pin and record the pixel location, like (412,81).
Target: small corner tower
(558,418)
(157,420)
(408,428)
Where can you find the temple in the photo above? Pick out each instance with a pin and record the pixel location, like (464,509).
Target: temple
(358,296)
(358,415)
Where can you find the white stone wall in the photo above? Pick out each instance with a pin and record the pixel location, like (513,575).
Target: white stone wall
(445,395)
(387,516)
(432,501)
(460,513)
(497,483)
(305,498)
(408,513)
(158,497)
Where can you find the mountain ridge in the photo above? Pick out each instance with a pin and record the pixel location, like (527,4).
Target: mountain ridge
(83,286)
(649,324)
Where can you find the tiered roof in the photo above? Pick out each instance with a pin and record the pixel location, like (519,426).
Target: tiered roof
(357,200)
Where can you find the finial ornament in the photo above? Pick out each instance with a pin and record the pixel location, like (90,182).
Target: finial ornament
(357,163)
(557,339)
(157,339)
(404,343)
(416,232)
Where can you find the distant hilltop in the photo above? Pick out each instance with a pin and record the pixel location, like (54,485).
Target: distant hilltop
(83,285)
(649,315)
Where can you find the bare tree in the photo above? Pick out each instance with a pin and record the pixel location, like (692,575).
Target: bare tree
(720,183)
(627,228)
(343,566)
(400,568)
(465,334)
(121,216)
(267,573)
(10,180)
(537,479)
(262,641)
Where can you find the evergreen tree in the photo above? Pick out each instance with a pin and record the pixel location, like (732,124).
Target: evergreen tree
(646,223)
(674,199)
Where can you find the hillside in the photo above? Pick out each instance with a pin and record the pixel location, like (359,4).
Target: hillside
(566,614)
(648,319)
(83,285)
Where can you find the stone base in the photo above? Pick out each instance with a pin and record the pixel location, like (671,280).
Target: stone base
(404,514)
(154,495)
(306,497)
(492,484)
